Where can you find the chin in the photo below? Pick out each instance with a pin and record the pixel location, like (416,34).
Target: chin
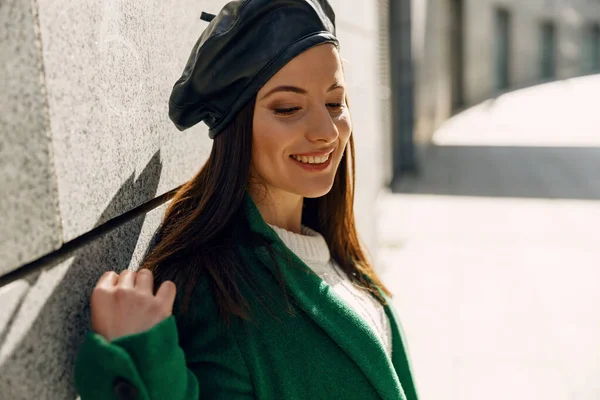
(314,192)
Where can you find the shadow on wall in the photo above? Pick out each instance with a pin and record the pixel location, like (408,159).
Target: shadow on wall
(505,171)
(38,349)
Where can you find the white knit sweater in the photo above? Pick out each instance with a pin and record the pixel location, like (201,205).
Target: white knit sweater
(311,247)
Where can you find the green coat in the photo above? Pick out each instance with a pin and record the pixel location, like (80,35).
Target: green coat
(327,352)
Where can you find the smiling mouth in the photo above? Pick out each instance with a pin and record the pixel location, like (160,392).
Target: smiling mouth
(314,157)
(311,159)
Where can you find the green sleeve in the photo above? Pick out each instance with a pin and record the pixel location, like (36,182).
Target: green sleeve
(151,361)
(155,364)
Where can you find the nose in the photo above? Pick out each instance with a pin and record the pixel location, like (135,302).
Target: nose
(321,127)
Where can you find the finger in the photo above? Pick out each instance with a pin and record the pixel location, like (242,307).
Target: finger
(145,280)
(126,279)
(108,279)
(166,293)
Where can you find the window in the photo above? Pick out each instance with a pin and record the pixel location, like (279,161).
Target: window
(548,50)
(502,49)
(456,53)
(590,51)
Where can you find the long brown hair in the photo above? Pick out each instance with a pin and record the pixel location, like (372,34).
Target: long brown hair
(201,228)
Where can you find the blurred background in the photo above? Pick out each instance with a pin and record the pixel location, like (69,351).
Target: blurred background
(477,128)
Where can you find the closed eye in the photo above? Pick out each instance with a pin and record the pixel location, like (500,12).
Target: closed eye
(286,111)
(291,110)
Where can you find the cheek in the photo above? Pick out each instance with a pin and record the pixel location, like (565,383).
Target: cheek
(344,126)
(262,138)
(268,147)
(262,154)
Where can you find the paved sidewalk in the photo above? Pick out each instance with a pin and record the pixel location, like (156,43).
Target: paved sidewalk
(494,252)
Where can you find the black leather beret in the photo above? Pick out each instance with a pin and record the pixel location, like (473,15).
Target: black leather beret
(239,51)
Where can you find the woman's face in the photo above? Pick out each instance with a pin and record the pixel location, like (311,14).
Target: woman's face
(301,124)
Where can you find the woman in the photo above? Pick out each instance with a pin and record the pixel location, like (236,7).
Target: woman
(264,291)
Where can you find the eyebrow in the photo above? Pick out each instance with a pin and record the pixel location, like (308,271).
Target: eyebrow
(298,90)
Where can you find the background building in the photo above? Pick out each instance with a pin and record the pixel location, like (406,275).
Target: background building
(453,54)
(488,234)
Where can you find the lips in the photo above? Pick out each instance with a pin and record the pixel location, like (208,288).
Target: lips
(321,153)
(307,166)
(312,160)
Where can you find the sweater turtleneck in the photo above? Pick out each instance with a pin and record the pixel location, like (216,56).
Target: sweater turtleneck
(310,246)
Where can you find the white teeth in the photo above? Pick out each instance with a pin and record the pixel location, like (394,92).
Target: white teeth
(312,160)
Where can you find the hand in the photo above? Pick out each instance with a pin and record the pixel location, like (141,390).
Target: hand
(123,304)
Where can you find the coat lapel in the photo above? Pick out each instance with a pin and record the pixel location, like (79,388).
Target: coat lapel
(332,314)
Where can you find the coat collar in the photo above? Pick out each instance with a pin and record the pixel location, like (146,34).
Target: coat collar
(336,318)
